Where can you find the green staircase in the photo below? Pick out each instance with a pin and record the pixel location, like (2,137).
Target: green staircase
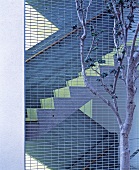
(64,93)
(71,98)
(76,96)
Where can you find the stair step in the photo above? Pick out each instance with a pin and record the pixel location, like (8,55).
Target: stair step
(80,101)
(62,92)
(64,104)
(31,115)
(129,43)
(80,93)
(106,68)
(109,59)
(47,103)
(90,72)
(79,81)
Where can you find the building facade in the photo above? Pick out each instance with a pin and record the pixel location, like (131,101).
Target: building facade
(66,126)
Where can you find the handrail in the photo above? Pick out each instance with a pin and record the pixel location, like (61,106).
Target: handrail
(99,156)
(65,36)
(134,154)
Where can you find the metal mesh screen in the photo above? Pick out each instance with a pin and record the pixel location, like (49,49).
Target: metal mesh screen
(66,126)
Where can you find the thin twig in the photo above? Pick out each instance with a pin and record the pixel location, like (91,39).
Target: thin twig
(87,9)
(114,36)
(115,11)
(96,71)
(91,47)
(115,80)
(106,88)
(131,12)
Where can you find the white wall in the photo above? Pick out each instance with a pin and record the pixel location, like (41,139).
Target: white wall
(12,85)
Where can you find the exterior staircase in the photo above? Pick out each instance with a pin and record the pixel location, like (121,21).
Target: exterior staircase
(66,126)
(76,143)
(76,96)
(51,130)
(63,133)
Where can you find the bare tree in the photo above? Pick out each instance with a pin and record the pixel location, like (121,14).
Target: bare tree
(122,12)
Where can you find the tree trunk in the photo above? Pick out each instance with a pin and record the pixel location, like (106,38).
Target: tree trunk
(124,152)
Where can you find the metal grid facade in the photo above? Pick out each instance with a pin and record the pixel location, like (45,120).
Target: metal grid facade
(66,126)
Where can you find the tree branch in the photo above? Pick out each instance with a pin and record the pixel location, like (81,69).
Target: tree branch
(95,71)
(106,88)
(116,77)
(91,47)
(87,9)
(88,85)
(114,37)
(114,100)
(117,113)
(134,41)
(136,57)
(115,10)
(79,9)
(113,108)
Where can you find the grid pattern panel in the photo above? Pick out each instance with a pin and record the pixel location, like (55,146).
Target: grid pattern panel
(66,126)
(37,27)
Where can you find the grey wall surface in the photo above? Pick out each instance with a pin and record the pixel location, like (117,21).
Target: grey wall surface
(12,85)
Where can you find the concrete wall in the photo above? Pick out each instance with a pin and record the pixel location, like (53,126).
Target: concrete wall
(12,85)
